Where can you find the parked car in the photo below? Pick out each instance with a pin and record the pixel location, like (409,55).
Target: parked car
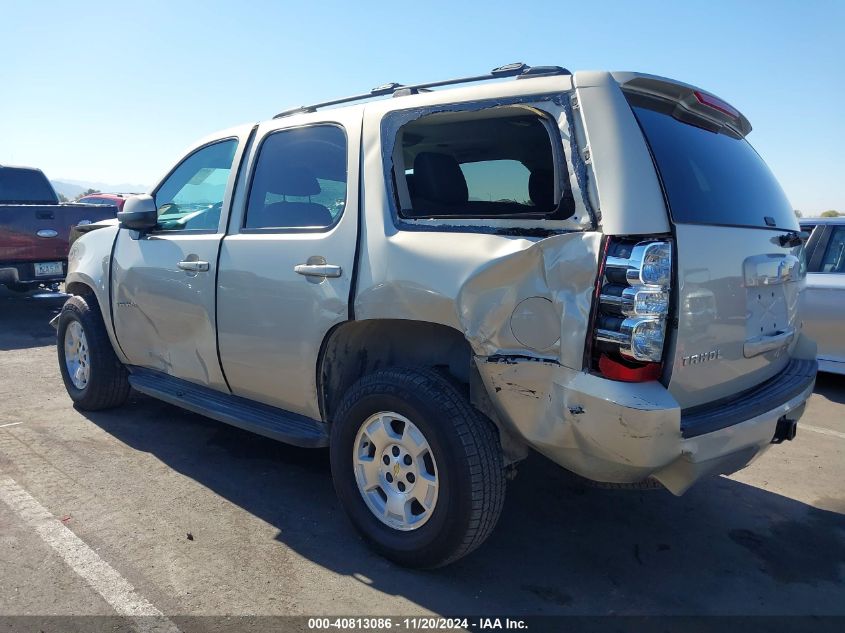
(824,299)
(435,284)
(34,228)
(111,199)
(116,200)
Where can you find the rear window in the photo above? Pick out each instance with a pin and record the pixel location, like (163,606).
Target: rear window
(25,186)
(711,176)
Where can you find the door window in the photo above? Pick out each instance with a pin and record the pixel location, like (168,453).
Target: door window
(299,182)
(834,256)
(191,197)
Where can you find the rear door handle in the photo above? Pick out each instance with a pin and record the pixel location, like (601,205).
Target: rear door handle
(766,343)
(193,266)
(318,270)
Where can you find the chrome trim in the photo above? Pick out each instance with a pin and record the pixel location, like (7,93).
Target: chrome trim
(767,342)
(318,270)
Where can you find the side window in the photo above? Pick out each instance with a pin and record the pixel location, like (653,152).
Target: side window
(496,162)
(500,181)
(833,260)
(299,181)
(192,196)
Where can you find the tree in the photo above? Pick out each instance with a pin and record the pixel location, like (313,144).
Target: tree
(87,192)
(62,198)
(798,214)
(830,214)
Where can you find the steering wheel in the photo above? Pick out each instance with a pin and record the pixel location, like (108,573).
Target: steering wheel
(207,218)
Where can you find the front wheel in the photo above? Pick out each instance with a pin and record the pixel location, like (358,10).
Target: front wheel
(93,376)
(418,470)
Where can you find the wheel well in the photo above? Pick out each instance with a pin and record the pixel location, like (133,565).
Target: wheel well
(355,348)
(79,288)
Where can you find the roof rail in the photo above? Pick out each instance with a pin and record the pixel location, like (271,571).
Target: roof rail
(517,69)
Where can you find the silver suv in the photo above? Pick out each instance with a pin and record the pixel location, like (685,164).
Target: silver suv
(596,266)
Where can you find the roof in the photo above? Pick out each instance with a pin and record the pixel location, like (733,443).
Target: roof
(815,221)
(100,194)
(20,167)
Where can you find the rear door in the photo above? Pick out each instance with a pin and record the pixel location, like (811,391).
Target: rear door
(740,264)
(286,266)
(163,282)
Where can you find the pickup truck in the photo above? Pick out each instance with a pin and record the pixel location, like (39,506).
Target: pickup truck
(34,228)
(594,266)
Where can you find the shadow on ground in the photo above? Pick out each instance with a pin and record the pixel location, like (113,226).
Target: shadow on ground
(831,386)
(725,547)
(25,318)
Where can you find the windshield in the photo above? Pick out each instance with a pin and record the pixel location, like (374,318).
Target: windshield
(712,177)
(25,186)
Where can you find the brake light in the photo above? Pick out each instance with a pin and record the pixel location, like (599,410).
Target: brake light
(630,316)
(614,370)
(717,104)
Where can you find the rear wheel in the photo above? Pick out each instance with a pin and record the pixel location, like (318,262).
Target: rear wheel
(418,470)
(93,376)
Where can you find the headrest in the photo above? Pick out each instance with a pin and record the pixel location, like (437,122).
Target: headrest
(294,180)
(541,189)
(438,177)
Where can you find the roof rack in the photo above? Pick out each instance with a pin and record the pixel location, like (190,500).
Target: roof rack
(517,69)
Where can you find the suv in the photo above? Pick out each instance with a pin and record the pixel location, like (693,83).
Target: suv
(596,266)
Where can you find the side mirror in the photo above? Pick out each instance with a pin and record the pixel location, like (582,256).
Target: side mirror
(139,213)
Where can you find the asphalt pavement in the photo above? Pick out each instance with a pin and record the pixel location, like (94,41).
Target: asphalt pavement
(198,518)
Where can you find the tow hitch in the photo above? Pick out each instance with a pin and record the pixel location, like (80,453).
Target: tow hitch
(785,430)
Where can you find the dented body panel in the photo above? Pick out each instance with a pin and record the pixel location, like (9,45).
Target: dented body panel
(89,271)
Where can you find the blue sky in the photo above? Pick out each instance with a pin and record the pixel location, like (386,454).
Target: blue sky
(112,91)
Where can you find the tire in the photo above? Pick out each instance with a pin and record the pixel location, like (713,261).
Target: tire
(465,461)
(107,383)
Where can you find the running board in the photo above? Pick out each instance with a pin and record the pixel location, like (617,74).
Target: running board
(263,419)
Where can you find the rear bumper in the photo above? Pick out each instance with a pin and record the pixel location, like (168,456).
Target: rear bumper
(711,417)
(24,272)
(627,432)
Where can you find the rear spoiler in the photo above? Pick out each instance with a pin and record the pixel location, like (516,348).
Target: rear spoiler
(687,98)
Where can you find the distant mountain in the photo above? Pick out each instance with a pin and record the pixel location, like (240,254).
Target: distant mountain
(66,189)
(72,188)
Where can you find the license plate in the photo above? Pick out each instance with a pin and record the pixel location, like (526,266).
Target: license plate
(48,268)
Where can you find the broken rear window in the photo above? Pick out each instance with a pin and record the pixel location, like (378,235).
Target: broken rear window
(491,163)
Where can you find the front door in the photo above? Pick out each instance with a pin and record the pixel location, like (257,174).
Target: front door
(163,282)
(286,264)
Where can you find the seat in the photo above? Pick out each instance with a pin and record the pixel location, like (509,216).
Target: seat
(296,181)
(439,184)
(541,189)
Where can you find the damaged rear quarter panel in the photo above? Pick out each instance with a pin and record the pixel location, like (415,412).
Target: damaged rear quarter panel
(561,269)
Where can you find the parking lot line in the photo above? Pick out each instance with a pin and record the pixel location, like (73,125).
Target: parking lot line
(84,561)
(816,429)
(3,426)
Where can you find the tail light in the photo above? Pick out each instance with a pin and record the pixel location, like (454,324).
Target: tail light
(632,305)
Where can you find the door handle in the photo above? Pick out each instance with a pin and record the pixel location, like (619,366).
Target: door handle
(193,266)
(766,343)
(318,270)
